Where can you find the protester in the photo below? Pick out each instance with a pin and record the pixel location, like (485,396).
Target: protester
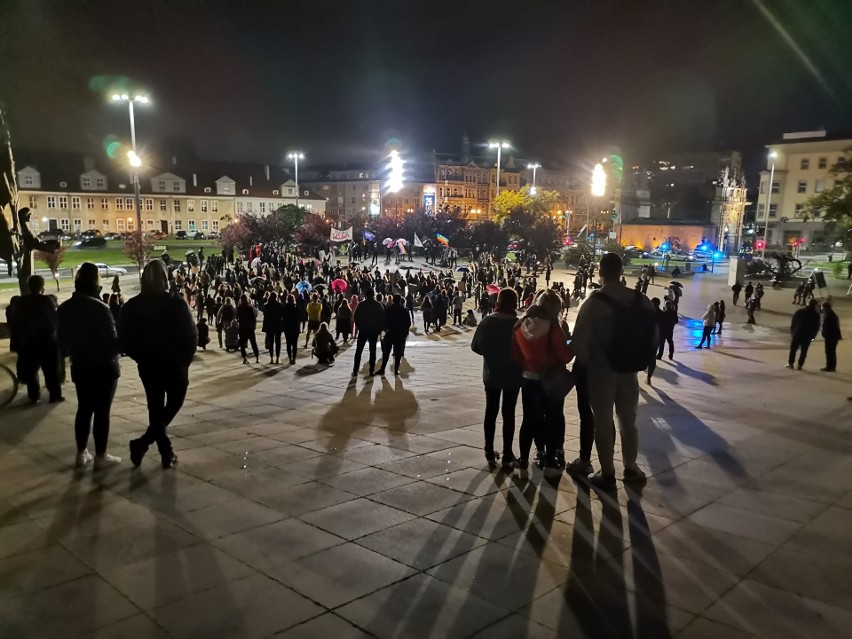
(247,319)
(291,322)
(87,335)
(314,309)
(736,288)
(539,347)
(501,375)
(709,319)
(804,327)
(273,326)
(470,319)
(203,333)
(369,320)
(34,330)
(614,337)
(224,316)
(397,325)
(720,315)
(343,323)
(157,331)
(325,348)
(831,335)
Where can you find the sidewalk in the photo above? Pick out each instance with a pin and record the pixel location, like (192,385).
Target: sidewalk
(308,506)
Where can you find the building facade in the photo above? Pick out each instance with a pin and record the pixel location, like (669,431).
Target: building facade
(348,191)
(74,193)
(800,168)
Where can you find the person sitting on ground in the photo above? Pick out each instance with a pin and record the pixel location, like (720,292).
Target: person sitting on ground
(470,319)
(325,348)
(203,333)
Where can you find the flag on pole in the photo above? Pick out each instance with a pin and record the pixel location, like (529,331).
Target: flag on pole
(402,248)
(417,241)
(369,236)
(442,239)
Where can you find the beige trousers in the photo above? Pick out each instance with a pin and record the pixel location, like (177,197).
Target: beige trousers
(621,390)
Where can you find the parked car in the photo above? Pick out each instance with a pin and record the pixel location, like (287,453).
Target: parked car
(198,236)
(89,242)
(213,235)
(109,271)
(157,235)
(52,234)
(90,233)
(180,235)
(114,236)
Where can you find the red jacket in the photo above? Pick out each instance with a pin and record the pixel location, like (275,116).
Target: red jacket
(539,344)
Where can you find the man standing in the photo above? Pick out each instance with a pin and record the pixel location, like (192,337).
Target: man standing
(157,332)
(34,329)
(615,336)
(831,335)
(735,289)
(87,335)
(666,321)
(397,325)
(803,329)
(369,318)
(749,291)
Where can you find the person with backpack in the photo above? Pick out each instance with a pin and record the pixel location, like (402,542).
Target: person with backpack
(615,337)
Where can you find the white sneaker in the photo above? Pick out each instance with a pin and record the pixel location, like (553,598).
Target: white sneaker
(83,457)
(106,460)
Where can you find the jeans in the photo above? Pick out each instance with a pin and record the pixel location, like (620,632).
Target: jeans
(801,344)
(398,346)
(663,340)
(494,406)
(274,340)
(706,334)
(543,420)
(607,388)
(249,339)
(47,359)
(165,392)
(363,338)
(292,339)
(831,354)
(457,316)
(95,390)
(584,407)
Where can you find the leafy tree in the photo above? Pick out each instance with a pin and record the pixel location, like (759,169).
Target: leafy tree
(235,235)
(138,247)
(581,248)
(451,223)
(488,236)
(836,202)
(388,225)
(515,203)
(314,231)
(613,246)
(52,260)
(543,237)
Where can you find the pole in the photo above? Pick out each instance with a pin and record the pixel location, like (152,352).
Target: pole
(296,158)
(768,202)
(133,175)
(498,169)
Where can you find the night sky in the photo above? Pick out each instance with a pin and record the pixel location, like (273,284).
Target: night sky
(563,81)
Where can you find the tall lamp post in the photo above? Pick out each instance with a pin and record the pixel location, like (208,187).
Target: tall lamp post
(296,156)
(132,156)
(772,156)
(499,146)
(533,166)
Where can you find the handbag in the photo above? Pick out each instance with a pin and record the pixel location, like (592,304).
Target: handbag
(557,382)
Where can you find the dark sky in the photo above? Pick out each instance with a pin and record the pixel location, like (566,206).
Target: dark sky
(562,80)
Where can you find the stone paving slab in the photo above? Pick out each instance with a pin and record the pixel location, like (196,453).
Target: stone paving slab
(308,504)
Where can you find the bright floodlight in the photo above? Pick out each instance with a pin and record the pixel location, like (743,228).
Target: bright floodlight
(142,98)
(116,97)
(773,155)
(495,145)
(296,155)
(598,180)
(135,160)
(395,175)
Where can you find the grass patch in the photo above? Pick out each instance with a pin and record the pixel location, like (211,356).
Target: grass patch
(113,252)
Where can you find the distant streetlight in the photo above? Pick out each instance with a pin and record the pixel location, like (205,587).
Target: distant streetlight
(599,180)
(534,166)
(133,157)
(499,146)
(772,156)
(296,156)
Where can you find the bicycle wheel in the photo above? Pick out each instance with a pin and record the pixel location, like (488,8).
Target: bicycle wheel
(8,385)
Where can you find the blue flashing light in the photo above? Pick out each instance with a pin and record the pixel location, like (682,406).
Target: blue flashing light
(664,247)
(717,255)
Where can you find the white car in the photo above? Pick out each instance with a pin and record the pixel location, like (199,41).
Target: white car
(109,271)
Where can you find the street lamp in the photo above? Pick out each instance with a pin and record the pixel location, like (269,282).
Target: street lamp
(132,156)
(772,156)
(598,180)
(499,146)
(533,166)
(296,156)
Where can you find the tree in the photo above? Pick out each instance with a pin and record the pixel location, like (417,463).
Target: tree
(488,236)
(836,202)
(389,225)
(543,237)
(52,260)
(235,235)
(536,206)
(138,247)
(314,231)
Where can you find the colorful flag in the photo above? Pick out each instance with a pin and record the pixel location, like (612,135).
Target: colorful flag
(369,236)
(442,240)
(402,248)
(417,241)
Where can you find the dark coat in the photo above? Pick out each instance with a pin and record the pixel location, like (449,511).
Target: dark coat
(87,334)
(831,326)
(291,318)
(397,322)
(273,317)
(805,324)
(34,323)
(493,340)
(369,317)
(157,329)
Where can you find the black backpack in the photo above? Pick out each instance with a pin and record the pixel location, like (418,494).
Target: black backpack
(632,343)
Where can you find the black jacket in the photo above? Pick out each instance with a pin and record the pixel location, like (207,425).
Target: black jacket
(273,317)
(87,334)
(370,317)
(34,323)
(805,324)
(831,325)
(246,317)
(666,321)
(397,322)
(157,329)
(493,340)
(291,318)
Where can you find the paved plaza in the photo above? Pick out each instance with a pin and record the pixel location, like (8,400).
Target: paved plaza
(308,505)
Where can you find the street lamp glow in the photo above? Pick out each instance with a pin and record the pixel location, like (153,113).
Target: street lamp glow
(772,156)
(499,146)
(533,166)
(296,156)
(395,172)
(598,180)
(135,160)
(132,156)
